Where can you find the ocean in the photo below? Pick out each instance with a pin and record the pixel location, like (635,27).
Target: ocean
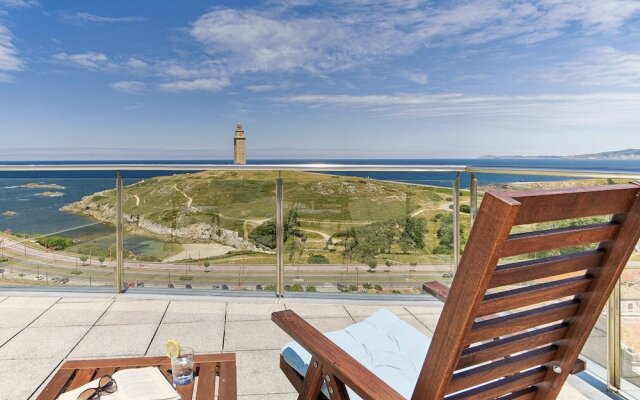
(36,213)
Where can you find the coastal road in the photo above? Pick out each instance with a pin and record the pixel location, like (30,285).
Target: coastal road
(19,250)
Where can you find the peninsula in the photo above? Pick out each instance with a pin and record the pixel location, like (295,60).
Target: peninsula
(627,154)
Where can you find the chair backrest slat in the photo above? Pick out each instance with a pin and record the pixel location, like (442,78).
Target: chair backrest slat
(504,325)
(513,383)
(526,243)
(504,367)
(520,321)
(516,298)
(519,272)
(500,348)
(555,205)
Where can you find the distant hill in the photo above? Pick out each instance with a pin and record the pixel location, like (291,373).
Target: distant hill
(627,154)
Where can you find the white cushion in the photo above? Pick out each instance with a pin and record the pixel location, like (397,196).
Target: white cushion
(387,346)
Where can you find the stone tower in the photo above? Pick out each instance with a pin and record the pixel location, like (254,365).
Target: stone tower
(239,146)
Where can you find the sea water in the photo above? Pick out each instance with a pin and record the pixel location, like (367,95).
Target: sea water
(39,214)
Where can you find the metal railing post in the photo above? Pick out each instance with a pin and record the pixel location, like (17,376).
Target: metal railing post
(119,272)
(613,339)
(456,222)
(473,188)
(279,237)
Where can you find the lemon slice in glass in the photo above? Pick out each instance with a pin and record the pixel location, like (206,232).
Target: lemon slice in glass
(172,348)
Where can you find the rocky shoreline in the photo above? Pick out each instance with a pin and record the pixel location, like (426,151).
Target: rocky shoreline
(195,233)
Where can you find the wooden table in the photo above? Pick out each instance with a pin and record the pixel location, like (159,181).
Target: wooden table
(75,373)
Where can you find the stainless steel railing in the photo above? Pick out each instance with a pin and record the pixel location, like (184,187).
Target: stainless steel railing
(614,312)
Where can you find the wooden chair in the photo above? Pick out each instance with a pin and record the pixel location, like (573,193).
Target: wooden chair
(509,330)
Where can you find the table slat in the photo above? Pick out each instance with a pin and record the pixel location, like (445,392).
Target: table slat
(228,389)
(207,381)
(83,376)
(55,386)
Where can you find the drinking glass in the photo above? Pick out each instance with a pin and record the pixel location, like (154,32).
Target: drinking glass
(182,367)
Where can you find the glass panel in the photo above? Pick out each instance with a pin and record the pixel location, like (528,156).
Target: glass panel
(376,233)
(630,325)
(199,230)
(46,239)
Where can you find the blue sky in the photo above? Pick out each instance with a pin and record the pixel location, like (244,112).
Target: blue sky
(321,79)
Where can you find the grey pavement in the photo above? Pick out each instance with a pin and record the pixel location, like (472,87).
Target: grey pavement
(39,331)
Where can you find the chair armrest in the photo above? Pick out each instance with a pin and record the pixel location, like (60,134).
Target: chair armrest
(334,360)
(437,289)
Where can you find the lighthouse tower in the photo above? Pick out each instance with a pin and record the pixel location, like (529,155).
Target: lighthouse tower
(239,146)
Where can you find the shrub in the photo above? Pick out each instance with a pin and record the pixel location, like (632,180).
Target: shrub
(367,285)
(394,291)
(76,272)
(465,208)
(186,277)
(352,288)
(296,287)
(54,242)
(270,287)
(20,274)
(317,259)
(311,288)
(378,287)
(3,259)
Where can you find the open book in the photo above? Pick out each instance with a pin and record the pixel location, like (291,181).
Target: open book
(133,384)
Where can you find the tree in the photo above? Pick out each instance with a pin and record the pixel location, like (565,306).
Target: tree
(388,263)
(101,259)
(295,246)
(372,265)
(265,233)
(206,265)
(84,260)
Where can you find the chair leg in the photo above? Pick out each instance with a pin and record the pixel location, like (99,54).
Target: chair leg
(337,389)
(312,382)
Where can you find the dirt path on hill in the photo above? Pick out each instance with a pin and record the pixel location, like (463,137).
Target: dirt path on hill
(189,199)
(253,222)
(325,237)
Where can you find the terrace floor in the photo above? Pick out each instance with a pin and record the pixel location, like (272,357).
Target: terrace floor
(40,330)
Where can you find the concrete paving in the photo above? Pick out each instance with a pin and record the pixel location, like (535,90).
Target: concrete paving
(38,332)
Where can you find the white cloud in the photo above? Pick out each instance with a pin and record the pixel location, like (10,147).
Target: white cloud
(128,86)
(136,63)
(417,77)
(83,18)
(18,3)
(9,60)
(345,34)
(606,109)
(90,60)
(209,85)
(606,67)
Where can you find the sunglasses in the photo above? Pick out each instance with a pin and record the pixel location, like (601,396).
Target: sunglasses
(106,384)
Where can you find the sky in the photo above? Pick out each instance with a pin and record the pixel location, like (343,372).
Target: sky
(330,79)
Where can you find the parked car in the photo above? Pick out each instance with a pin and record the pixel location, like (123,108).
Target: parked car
(259,287)
(447,275)
(225,286)
(140,284)
(39,277)
(215,287)
(170,286)
(131,284)
(188,286)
